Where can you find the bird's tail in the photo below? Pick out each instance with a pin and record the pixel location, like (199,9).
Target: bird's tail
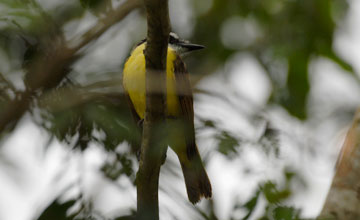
(196,179)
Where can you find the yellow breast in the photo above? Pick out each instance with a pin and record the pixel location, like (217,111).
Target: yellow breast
(134,81)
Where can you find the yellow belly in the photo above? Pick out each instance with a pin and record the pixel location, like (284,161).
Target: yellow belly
(134,81)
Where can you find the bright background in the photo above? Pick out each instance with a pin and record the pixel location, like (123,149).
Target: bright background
(36,168)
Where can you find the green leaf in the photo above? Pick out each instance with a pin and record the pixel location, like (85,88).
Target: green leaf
(329,53)
(285,213)
(227,144)
(97,7)
(297,84)
(272,194)
(251,204)
(209,123)
(57,211)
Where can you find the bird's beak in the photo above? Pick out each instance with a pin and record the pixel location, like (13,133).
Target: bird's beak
(191,47)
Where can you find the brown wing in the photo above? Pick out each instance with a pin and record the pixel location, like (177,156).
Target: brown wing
(184,92)
(196,179)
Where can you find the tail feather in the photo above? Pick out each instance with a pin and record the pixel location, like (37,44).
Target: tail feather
(196,180)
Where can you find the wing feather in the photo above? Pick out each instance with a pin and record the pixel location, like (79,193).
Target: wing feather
(184,93)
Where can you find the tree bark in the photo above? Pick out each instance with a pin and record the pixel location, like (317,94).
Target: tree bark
(343,200)
(153,146)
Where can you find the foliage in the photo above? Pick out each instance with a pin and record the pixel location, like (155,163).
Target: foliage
(282,35)
(286,32)
(274,196)
(227,144)
(57,211)
(98,7)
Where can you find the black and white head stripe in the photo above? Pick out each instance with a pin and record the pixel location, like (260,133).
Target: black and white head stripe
(175,39)
(180,45)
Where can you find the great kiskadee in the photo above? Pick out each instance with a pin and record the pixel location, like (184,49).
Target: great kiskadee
(179,107)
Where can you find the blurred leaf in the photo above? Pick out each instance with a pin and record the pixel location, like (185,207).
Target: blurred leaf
(64,124)
(329,53)
(286,36)
(297,84)
(121,165)
(98,7)
(227,144)
(270,139)
(90,3)
(274,197)
(289,175)
(209,123)
(75,112)
(26,14)
(251,204)
(272,194)
(286,213)
(57,211)
(115,121)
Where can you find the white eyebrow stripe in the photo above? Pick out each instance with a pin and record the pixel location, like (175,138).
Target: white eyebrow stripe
(174,35)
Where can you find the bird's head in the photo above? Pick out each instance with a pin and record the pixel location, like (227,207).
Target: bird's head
(181,46)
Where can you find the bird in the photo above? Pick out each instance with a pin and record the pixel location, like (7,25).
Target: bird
(179,106)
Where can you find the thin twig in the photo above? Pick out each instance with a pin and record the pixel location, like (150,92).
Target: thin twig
(104,24)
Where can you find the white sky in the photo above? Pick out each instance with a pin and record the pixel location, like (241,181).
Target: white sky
(31,182)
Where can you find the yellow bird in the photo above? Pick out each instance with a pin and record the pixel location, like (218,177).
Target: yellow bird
(179,108)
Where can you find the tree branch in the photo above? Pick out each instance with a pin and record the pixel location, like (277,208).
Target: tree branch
(343,200)
(105,23)
(153,146)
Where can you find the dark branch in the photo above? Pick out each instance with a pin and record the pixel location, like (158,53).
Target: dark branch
(153,147)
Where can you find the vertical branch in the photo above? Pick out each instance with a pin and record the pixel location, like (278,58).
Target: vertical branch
(343,200)
(153,148)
